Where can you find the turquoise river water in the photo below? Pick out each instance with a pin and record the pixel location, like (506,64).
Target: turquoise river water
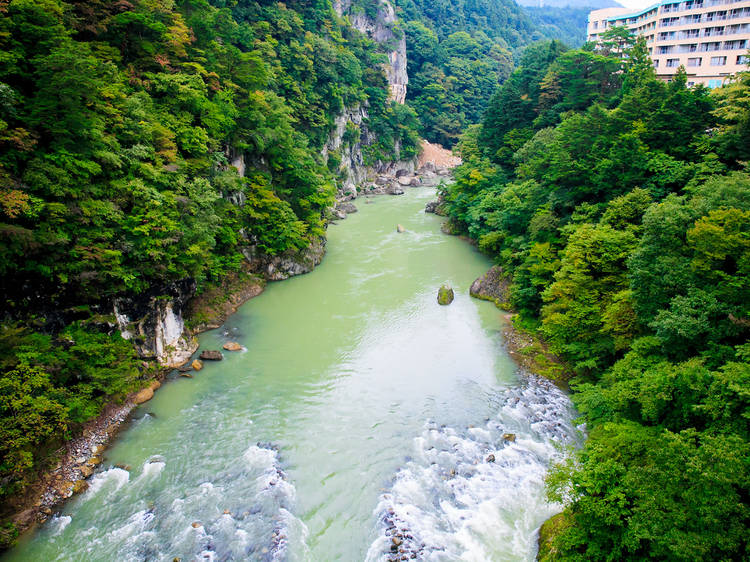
(359,409)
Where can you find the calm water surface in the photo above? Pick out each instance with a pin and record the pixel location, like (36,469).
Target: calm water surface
(360,406)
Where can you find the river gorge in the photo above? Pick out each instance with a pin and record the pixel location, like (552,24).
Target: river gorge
(361,421)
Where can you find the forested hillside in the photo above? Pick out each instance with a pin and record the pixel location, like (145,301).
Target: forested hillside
(458,54)
(619,207)
(146,142)
(566,24)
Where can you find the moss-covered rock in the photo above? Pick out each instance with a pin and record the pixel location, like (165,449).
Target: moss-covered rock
(445,295)
(548,532)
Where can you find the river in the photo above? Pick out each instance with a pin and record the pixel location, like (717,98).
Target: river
(360,409)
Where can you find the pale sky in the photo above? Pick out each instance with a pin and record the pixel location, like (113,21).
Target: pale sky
(637,4)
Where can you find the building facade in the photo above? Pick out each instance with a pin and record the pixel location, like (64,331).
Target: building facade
(710,38)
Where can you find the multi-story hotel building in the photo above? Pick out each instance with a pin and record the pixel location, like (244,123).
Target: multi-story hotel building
(710,38)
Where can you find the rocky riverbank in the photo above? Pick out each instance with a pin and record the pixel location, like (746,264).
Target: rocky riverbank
(524,345)
(80,457)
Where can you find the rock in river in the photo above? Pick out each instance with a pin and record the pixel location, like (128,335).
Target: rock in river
(197,365)
(347,206)
(400,228)
(232,346)
(211,355)
(509,437)
(445,295)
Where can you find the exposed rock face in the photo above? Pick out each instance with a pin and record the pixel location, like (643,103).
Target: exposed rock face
(349,150)
(381,31)
(288,264)
(155,325)
(492,286)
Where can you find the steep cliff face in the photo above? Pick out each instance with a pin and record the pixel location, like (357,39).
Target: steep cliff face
(382,29)
(155,325)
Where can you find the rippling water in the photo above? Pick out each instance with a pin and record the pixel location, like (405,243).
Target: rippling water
(361,412)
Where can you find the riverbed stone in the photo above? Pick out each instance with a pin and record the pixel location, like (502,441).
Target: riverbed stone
(509,437)
(347,206)
(431,207)
(400,228)
(490,458)
(86,470)
(211,355)
(232,346)
(196,365)
(80,486)
(445,295)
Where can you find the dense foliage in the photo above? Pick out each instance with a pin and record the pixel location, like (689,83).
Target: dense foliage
(620,207)
(122,128)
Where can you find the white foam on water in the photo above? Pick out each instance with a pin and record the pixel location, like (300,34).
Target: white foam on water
(454,502)
(109,481)
(58,523)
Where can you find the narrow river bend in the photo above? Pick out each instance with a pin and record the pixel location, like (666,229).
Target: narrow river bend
(360,410)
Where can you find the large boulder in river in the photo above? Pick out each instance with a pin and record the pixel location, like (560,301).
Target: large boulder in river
(232,346)
(211,355)
(445,295)
(395,189)
(431,207)
(405,181)
(347,206)
(492,286)
(400,228)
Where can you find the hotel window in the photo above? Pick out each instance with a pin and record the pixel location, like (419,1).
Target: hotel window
(743,59)
(739,44)
(672,63)
(595,25)
(664,49)
(656,63)
(718,61)
(695,61)
(714,83)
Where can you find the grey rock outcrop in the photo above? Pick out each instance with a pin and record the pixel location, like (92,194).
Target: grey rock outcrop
(381,30)
(155,325)
(288,264)
(492,286)
(350,133)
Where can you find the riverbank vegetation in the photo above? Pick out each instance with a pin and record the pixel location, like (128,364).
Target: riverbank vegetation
(122,127)
(619,205)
